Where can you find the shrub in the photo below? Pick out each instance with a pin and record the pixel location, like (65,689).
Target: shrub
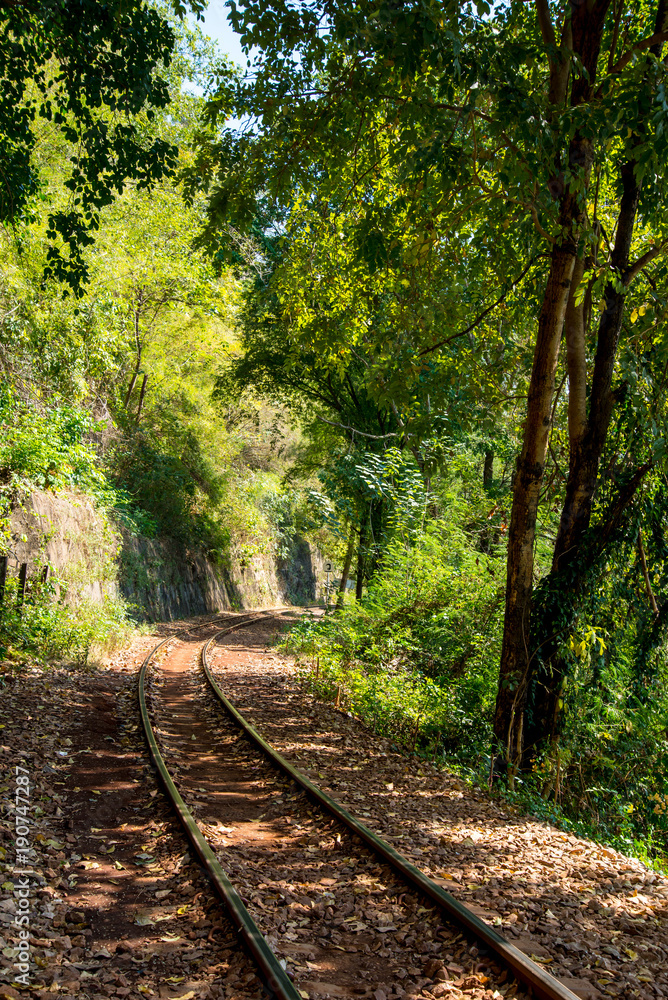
(46,629)
(416,658)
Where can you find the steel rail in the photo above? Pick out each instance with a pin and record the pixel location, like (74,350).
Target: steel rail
(274,975)
(544,985)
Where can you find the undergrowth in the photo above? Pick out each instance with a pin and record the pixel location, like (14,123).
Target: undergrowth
(417,660)
(51,448)
(434,721)
(46,629)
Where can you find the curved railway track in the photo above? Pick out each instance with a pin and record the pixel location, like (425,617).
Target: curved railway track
(247,787)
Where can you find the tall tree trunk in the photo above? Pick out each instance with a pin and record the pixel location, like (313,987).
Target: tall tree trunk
(514,669)
(588,436)
(346,568)
(488,469)
(142,396)
(588,440)
(138,350)
(582,33)
(548,687)
(376,531)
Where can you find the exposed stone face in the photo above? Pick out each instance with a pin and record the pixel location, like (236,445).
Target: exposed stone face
(302,573)
(165,581)
(92,559)
(169,581)
(66,533)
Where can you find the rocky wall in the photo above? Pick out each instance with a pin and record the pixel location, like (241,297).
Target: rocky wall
(66,533)
(160,578)
(163,580)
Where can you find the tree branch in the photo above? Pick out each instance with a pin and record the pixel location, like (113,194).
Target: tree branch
(354,430)
(479,319)
(650,255)
(536,222)
(554,459)
(624,497)
(656,39)
(558,56)
(615,35)
(545,22)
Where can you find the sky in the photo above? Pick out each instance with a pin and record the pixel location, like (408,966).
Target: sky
(216,26)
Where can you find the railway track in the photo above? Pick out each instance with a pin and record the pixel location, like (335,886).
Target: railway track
(283,844)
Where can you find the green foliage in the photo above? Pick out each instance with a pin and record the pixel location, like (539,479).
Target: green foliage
(51,448)
(45,447)
(389,219)
(417,657)
(405,706)
(47,629)
(431,169)
(423,167)
(288,512)
(162,486)
(609,769)
(418,661)
(108,393)
(92,73)
(457,99)
(128,367)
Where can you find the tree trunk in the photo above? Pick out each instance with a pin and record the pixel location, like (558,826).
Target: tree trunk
(142,394)
(361,560)
(422,466)
(514,669)
(645,573)
(138,348)
(548,688)
(488,469)
(346,569)
(376,531)
(588,436)
(133,382)
(582,33)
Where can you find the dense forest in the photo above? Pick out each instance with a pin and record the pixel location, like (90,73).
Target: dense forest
(398,285)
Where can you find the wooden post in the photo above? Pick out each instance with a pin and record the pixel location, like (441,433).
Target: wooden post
(23,578)
(4,562)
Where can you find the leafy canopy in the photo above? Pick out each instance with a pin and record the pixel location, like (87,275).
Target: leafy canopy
(96,73)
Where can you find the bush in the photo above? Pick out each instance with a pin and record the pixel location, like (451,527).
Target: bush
(46,447)
(46,629)
(417,657)
(51,448)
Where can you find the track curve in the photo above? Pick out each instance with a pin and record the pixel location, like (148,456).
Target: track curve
(542,984)
(273,974)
